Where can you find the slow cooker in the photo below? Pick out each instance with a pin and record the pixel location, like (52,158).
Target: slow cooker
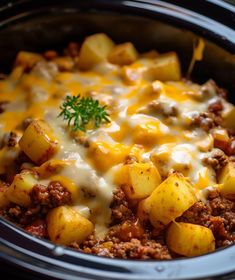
(164,25)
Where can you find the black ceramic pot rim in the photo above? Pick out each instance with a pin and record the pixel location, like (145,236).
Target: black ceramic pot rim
(206,18)
(43,257)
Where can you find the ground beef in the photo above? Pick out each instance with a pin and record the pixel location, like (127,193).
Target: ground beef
(199,213)
(206,120)
(72,49)
(120,207)
(156,108)
(9,139)
(38,228)
(216,107)
(218,215)
(23,216)
(50,196)
(43,198)
(216,159)
(51,54)
(135,249)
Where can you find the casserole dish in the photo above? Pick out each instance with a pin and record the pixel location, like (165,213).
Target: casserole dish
(34,31)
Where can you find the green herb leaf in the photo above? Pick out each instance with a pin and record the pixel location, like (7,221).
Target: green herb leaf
(79,112)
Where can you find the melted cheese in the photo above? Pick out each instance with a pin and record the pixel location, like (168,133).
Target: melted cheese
(150,136)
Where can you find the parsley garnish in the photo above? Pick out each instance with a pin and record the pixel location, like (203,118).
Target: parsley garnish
(79,112)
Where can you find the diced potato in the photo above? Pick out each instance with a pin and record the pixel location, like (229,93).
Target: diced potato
(19,190)
(149,133)
(142,179)
(103,155)
(221,138)
(190,240)
(4,201)
(171,199)
(65,225)
(166,67)
(94,49)
(68,184)
(38,142)
(228,119)
(143,209)
(227,181)
(123,54)
(27,59)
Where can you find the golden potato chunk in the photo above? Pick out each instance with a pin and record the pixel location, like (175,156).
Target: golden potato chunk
(142,179)
(65,225)
(4,201)
(171,199)
(228,119)
(190,240)
(19,190)
(166,67)
(227,181)
(143,210)
(94,49)
(103,155)
(123,54)
(149,133)
(27,59)
(38,142)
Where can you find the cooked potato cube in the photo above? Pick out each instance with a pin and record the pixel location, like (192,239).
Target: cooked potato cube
(221,138)
(143,179)
(103,155)
(190,240)
(4,201)
(38,142)
(19,190)
(27,59)
(94,49)
(171,199)
(149,133)
(228,118)
(165,68)
(227,181)
(143,209)
(65,225)
(123,54)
